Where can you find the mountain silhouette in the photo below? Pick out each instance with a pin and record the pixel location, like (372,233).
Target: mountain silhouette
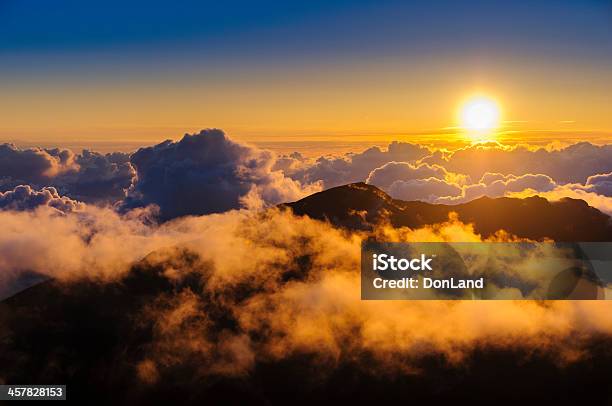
(361,206)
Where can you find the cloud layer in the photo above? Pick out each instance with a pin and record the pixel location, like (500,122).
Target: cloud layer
(210,173)
(288,285)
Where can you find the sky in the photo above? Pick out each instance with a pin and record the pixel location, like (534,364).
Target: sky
(141,71)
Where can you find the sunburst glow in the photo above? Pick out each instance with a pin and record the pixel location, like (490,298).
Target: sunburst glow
(480,115)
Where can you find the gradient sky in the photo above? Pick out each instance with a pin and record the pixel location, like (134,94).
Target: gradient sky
(149,70)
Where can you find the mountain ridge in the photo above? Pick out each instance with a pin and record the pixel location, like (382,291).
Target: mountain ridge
(361,206)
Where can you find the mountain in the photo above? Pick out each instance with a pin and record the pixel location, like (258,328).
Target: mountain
(361,206)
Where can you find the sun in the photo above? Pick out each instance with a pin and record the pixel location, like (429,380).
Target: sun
(479,116)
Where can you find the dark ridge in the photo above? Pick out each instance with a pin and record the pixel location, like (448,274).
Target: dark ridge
(360,206)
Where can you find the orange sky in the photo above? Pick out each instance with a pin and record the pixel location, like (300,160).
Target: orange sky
(365,100)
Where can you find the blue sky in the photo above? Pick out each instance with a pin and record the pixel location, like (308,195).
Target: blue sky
(314,28)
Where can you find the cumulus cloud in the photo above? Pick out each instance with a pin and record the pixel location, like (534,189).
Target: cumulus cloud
(427,190)
(493,185)
(208,173)
(572,164)
(498,185)
(33,166)
(600,184)
(100,178)
(391,172)
(353,167)
(444,190)
(90,177)
(433,184)
(23,197)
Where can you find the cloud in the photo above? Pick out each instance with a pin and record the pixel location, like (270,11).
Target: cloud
(34,166)
(580,170)
(572,164)
(90,177)
(353,167)
(303,279)
(23,197)
(569,164)
(101,178)
(287,285)
(600,184)
(446,176)
(498,185)
(426,190)
(208,173)
(443,191)
(433,183)
(391,172)
(493,185)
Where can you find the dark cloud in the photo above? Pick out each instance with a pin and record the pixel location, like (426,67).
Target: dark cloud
(90,177)
(23,197)
(208,173)
(33,166)
(100,177)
